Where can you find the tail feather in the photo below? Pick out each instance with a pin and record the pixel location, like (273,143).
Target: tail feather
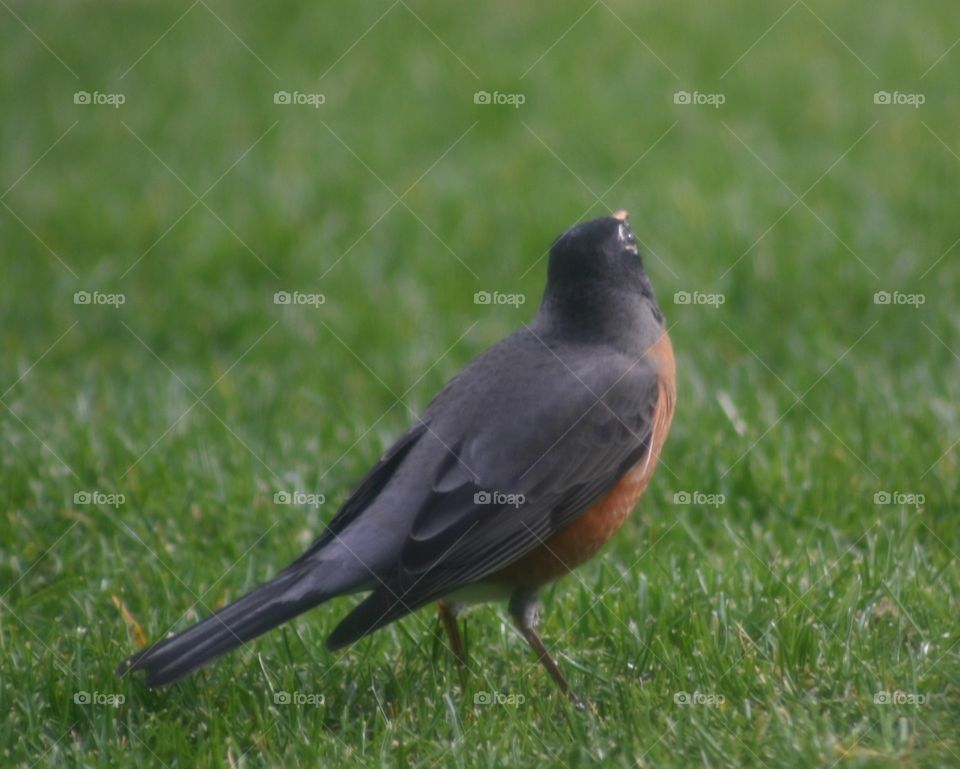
(264,608)
(380,608)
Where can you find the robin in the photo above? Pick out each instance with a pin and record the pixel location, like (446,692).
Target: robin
(518,471)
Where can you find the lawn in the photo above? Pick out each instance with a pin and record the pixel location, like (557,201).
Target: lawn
(787,592)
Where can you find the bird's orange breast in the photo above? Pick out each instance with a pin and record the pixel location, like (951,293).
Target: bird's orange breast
(581,540)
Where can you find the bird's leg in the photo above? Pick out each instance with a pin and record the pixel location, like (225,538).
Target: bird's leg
(448,616)
(525,610)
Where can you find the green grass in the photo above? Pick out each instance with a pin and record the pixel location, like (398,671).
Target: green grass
(797,600)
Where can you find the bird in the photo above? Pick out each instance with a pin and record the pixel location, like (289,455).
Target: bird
(518,471)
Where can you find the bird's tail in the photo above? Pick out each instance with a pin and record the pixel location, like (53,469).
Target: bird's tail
(291,593)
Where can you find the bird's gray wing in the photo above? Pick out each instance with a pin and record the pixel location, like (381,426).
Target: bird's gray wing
(368,489)
(556,433)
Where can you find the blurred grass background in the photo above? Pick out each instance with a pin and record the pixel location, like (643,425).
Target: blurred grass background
(798,599)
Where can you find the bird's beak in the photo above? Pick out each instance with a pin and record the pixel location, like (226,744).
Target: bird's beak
(621,215)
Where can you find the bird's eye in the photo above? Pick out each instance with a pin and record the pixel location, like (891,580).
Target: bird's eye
(628,239)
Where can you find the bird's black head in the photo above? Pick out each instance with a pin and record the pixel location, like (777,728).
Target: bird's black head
(599,251)
(596,275)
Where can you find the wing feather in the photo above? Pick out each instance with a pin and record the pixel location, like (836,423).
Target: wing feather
(591,423)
